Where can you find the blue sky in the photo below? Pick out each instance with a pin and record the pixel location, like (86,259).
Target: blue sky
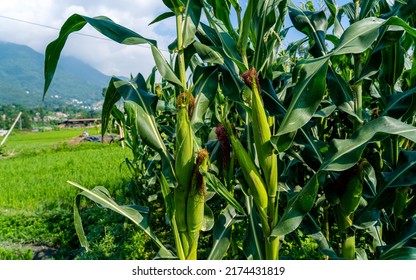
(36,25)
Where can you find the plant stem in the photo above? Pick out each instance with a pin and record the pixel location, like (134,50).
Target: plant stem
(358,87)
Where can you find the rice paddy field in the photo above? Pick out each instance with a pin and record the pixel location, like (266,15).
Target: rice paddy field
(36,219)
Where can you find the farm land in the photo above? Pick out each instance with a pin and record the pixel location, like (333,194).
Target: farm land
(36,217)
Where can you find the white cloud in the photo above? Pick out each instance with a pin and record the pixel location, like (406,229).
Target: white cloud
(109,57)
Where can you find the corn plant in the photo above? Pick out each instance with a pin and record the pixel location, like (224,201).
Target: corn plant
(320,143)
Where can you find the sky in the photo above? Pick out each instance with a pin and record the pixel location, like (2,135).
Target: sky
(36,23)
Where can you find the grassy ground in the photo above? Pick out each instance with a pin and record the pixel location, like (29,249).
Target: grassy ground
(35,198)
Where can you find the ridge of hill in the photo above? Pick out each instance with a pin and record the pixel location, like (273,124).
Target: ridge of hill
(22,79)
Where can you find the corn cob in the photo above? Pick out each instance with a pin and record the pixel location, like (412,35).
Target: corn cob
(252,176)
(196,202)
(350,195)
(262,135)
(184,166)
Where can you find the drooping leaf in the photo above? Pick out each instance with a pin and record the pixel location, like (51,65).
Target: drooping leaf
(344,153)
(253,243)
(358,36)
(206,85)
(75,23)
(101,196)
(307,94)
(216,184)
(312,24)
(298,206)
(222,232)
(164,68)
(403,253)
(340,93)
(208,54)
(406,233)
(140,106)
(209,220)
(398,104)
(111,98)
(221,10)
(192,17)
(162,17)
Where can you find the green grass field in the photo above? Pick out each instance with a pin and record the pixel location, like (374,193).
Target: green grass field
(35,198)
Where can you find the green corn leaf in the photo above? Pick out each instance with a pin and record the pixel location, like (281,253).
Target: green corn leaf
(402,176)
(253,243)
(111,98)
(404,173)
(366,7)
(358,36)
(162,17)
(222,232)
(334,11)
(221,10)
(340,93)
(244,31)
(140,106)
(311,228)
(403,253)
(101,196)
(206,85)
(265,29)
(407,232)
(398,104)
(307,94)
(170,212)
(344,153)
(192,17)
(299,206)
(393,64)
(209,220)
(174,5)
(75,23)
(79,229)
(216,184)
(208,54)
(164,68)
(312,24)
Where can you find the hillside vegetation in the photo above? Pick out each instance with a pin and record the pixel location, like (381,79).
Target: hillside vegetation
(21,79)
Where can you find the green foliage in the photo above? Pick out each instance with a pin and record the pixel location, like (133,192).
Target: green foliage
(318,147)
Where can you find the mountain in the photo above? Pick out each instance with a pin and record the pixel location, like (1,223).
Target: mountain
(22,80)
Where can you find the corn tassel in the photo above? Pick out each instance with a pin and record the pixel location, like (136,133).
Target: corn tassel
(184,166)
(196,202)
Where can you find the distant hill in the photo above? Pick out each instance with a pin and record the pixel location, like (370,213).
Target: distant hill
(22,80)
